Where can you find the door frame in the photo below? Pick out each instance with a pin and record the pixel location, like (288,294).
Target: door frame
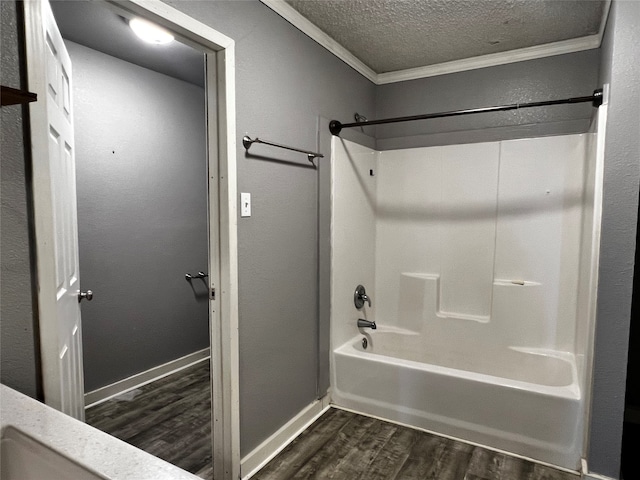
(219,53)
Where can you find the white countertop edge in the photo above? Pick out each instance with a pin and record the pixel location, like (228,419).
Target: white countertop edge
(88,446)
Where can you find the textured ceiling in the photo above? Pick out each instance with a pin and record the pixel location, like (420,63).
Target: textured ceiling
(99,28)
(391,35)
(386,35)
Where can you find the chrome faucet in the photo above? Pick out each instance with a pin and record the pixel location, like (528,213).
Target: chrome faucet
(366,324)
(360,296)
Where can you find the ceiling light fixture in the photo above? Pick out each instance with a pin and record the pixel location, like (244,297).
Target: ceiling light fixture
(150,32)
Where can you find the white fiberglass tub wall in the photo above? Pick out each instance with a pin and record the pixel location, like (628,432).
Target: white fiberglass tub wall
(471,254)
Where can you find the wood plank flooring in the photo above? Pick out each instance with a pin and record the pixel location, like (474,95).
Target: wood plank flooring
(342,445)
(169,418)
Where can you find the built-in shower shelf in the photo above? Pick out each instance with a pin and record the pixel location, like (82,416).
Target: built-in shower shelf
(14,96)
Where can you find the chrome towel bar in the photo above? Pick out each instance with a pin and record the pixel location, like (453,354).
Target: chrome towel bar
(247,141)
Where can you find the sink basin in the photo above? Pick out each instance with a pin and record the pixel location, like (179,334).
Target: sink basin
(22,457)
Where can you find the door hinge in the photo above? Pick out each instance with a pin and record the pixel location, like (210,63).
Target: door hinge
(212,293)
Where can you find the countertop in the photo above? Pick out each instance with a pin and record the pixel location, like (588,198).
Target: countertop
(88,446)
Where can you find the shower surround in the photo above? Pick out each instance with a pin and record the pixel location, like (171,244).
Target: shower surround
(478,258)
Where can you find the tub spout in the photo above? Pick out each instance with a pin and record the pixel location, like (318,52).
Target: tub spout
(366,324)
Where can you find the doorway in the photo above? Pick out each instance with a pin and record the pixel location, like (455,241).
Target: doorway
(141,180)
(141,183)
(220,273)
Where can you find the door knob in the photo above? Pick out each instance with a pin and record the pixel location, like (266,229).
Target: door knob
(88,295)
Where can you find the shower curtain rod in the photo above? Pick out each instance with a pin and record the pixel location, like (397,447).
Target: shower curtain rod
(596,100)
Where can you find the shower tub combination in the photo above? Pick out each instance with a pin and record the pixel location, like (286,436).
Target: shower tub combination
(524,402)
(481,260)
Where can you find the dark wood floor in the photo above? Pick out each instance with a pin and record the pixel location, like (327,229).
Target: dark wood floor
(169,418)
(346,446)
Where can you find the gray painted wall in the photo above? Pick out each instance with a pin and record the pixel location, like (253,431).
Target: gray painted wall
(560,76)
(284,82)
(142,215)
(621,68)
(19,357)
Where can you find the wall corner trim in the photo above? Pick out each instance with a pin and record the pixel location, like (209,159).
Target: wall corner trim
(572,45)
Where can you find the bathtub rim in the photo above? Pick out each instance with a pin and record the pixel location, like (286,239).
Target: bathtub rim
(569,392)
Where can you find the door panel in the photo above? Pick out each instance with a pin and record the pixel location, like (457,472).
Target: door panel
(49,70)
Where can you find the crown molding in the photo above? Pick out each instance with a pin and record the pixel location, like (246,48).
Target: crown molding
(292,16)
(573,45)
(492,59)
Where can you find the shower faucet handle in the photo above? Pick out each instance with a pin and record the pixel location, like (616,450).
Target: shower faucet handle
(360,296)
(366,298)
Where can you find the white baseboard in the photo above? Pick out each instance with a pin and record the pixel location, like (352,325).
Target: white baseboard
(273,445)
(139,379)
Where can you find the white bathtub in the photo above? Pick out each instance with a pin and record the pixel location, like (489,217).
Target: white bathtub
(519,400)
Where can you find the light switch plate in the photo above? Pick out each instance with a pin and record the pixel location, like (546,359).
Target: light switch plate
(245,204)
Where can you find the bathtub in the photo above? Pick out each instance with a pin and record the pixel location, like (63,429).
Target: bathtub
(523,401)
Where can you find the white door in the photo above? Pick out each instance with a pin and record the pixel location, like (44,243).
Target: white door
(54,193)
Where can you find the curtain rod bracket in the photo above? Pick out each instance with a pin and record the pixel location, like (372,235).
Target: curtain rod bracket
(598,97)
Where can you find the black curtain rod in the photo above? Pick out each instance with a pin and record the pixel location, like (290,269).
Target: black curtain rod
(596,100)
